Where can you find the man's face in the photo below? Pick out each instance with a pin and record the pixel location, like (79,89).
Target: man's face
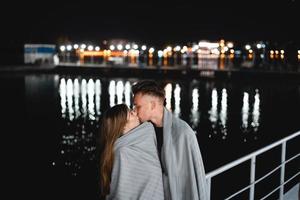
(142,105)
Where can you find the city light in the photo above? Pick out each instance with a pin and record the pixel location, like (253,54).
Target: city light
(160,53)
(195,48)
(62,48)
(209,45)
(69,47)
(247,47)
(184,49)
(230,45)
(120,47)
(112,47)
(127,46)
(191,54)
(258,46)
(82,46)
(135,46)
(177,48)
(90,48)
(151,50)
(169,48)
(144,47)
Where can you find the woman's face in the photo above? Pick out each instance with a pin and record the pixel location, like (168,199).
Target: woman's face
(132,120)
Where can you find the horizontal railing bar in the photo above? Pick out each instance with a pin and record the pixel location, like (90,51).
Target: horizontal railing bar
(249,156)
(260,179)
(263,177)
(280,186)
(240,191)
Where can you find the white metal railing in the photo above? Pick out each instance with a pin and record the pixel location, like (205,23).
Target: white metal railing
(252,157)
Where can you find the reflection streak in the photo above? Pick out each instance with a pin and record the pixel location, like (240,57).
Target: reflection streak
(256,111)
(194,110)
(112,93)
(62,93)
(120,90)
(91,104)
(83,97)
(70,99)
(214,108)
(245,110)
(98,96)
(168,91)
(223,112)
(177,100)
(76,98)
(127,92)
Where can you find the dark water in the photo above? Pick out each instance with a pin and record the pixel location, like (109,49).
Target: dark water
(50,125)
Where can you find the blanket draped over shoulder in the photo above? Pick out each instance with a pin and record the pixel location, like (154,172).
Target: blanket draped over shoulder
(137,173)
(184,176)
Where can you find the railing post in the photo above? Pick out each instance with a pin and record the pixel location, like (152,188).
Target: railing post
(252,178)
(282,174)
(208,182)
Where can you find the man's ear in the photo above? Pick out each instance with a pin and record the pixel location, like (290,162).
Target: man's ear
(152,104)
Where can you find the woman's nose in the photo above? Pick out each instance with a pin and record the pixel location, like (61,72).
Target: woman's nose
(134,108)
(133,112)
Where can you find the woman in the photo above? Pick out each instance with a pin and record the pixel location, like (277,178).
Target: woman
(129,163)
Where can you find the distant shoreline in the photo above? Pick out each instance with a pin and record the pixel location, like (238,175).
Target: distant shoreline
(176,72)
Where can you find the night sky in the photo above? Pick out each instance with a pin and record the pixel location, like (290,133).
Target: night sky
(150,22)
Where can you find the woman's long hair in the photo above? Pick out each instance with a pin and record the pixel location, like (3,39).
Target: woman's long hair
(112,126)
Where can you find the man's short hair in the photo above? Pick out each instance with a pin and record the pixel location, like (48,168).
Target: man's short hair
(149,87)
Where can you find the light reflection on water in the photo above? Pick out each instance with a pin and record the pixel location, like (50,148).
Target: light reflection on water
(168,92)
(91,104)
(119,89)
(194,110)
(245,110)
(119,93)
(64,111)
(248,117)
(256,111)
(223,113)
(127,93)
(76,97)
(63,100)
(177,98)
(214,110)
(112,92)
(218,119)
(70,98)
(83,97)
(81,108)
(98,96)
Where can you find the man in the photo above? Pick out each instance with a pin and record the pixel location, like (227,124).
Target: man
(178,149)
